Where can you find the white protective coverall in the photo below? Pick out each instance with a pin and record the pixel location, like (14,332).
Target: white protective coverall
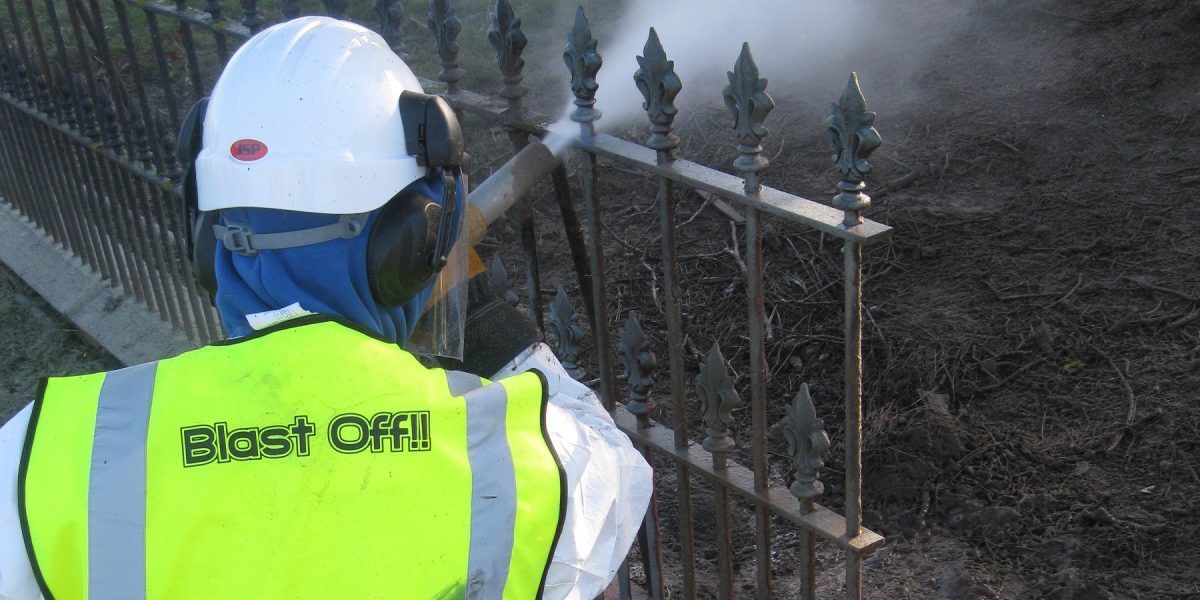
(608,489)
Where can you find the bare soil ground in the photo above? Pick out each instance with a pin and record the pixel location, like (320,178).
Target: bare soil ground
(1033,331)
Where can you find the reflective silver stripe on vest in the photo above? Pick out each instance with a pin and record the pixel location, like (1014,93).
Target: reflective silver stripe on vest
(493,492)
(460,383)
(117,487)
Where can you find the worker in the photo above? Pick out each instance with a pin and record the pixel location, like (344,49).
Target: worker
(319,452)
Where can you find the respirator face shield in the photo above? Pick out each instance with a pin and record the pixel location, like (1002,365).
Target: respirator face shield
(439,329)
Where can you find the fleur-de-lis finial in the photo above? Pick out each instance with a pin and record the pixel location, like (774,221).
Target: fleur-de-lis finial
(213,8)
(110,130)
(638,361)
(66,96)
(5,73)
(391,16)
(567,332)
(251,18)
(851,133)
(747,100)
(502,284)
(807,445)
(140,144)
(584,62)
(87,118)
(336,8)
(166,149)
(445,27)
(508,41)
(659,84)
(291,8)
(42,99)
(718,397)
(24,84)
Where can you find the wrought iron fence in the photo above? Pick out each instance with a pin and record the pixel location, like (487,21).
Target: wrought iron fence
(87,139)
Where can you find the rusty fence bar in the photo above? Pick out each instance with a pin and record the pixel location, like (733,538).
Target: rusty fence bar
(87,151)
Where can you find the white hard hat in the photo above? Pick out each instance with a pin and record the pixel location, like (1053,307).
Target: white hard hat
(305,118)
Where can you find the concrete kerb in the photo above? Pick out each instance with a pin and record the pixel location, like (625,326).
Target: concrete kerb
(114,320)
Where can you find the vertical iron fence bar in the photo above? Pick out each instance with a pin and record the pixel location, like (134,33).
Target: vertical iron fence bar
(391,17)
(54,187)
(213,8)
(851,132)
(96,200)
(639,362)
(336,8)
(89,189)
(149,228)
(116,199)
(164,77)
(19,192)
(714,385)
(169,202)
(659,84)
(87,229)
(137,222)
(107,195)
(189,49)
(575,240)
(584,62)
(291,9)
(139,86)
(88,127)
(852,254)
(38,207)
(40,45)
(34,153)
(508,41)
(15,186)
(85,189)
(807,445)
(72,108)
(8,175)
(53,110)
(251,18)
(94,25)
(123,112)
(7,144)
(747,100)
(445,27)
(170,208)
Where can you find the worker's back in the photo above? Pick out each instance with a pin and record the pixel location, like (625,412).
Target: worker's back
(308,461)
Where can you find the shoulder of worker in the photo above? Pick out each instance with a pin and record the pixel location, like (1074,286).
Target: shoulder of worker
(561,389)
(16,574)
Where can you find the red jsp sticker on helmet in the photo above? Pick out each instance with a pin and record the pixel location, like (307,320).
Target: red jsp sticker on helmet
(248,150)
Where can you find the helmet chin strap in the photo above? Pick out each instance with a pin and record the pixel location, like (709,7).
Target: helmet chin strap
(240,238)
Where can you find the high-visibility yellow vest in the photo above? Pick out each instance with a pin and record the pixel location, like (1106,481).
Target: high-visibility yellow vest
(306,461)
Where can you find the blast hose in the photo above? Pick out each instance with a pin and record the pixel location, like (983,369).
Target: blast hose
(511,182)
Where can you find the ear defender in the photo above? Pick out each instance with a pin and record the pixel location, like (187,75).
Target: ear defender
(202,247)
(403,238)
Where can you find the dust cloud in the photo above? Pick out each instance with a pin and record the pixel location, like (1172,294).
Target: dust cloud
(800,46)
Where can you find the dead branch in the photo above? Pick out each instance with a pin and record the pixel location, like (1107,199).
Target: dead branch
(1129,397)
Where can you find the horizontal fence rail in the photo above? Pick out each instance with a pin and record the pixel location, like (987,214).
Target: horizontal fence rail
(92,93)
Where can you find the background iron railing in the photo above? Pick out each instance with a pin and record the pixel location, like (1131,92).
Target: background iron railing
(87,149)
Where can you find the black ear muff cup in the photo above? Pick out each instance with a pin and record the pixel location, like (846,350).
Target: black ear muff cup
(204,252)
(402,240)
